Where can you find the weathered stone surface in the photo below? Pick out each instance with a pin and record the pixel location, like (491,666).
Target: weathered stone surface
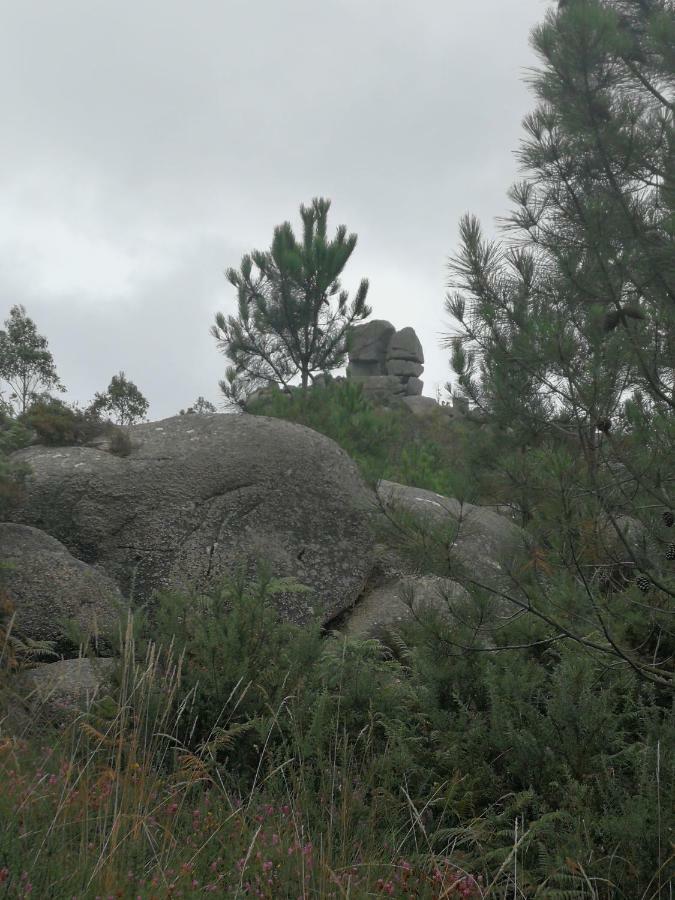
(423,407)
(399,601)
(199,495)
(405,344)
(404,368)
(369,342)
(381,385)
(364,368)
(55,693)
(639,548)
(48,586)
(486,544)
(414,387)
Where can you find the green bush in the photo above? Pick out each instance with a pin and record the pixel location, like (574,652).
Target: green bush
(386,443)
(57,424)
(13,436)
(255,682)
(120,441)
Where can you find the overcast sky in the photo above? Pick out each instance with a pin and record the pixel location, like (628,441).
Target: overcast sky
(148,144)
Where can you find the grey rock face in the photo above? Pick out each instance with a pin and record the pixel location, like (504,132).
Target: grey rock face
(405,344)
(55,693)
(404,368)
(369,342)
(423,407)
(399,601)
(378,352)
(486,544)
(360,368)
(381,386)
(47,586)
(197,496)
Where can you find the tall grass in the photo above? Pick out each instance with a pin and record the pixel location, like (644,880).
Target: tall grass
(123,802)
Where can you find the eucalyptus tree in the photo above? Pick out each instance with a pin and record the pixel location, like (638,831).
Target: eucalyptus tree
(26,363)
(122,399)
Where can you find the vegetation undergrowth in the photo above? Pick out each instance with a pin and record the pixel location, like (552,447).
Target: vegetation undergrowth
(386,443)
(242,756)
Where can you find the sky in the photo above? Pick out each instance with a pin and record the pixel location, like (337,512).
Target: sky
(149,144)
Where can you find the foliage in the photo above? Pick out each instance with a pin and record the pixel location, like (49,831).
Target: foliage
(120,442)
(249,751)
(13,436)
(122,399)
(200,407)
(55,423)
(566,326)
(26,364)
(287,324)
(385,443)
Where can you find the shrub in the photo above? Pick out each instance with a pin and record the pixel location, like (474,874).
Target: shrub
(120,441)
(57,424)
(385,443)
(13,436)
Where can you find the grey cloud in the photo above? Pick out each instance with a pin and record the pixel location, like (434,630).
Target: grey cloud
(149,144)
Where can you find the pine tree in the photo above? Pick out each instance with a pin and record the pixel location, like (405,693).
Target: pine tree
(122,399)
(288,325)
(26,364)
(567,325)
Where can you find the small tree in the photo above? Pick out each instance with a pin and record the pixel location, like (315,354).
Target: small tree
(26,363)
(566,330)
(287,324)
(122,399)
(200,407)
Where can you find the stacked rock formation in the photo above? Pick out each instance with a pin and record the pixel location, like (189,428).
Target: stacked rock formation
(388,363)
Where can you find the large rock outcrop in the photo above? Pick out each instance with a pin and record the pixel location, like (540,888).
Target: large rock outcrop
(484,545)
(400,600)
(198,495)
(367,346)
(386,362)
(56,693)
(48,588)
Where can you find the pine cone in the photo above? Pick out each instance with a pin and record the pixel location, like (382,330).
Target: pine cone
(621,315)
(668,519)
(670,551)
(643,583)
